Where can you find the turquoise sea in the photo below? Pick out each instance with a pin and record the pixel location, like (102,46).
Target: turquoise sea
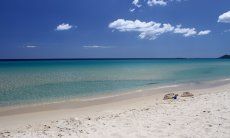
(36,81)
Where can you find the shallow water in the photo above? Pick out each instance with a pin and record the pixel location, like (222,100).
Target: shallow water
(24,82)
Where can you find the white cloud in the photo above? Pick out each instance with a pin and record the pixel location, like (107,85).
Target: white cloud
(156,30)
(132,10)
(185,31)
(224,18)
(157,2)
(64,26)
(161,2)
(148,30)
(151,30)
(136,3)
(96,46)
(205,32)
(31,46)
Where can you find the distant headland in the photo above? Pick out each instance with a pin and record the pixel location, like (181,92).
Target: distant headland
(225,56)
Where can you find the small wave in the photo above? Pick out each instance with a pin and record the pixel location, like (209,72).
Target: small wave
(222,80)
(167,86)
(225,79)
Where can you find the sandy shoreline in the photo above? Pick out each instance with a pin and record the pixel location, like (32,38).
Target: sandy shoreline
(155,91)
(132,109)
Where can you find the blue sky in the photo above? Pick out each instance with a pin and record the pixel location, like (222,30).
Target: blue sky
(114,28)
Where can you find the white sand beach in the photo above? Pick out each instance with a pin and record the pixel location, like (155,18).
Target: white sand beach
(115,69)
(206,114)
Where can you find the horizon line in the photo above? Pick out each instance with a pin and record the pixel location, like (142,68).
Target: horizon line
(31,59)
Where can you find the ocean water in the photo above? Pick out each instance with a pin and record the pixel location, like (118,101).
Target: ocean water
(26,82)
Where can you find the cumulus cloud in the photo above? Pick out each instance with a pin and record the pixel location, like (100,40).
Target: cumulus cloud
(151,3)
(205,32)
(224,18)
(64,26)
(31,46)
(186,32)
(147,30)
(156,2)
(161,2)
(96,46)
(155,30)
(151,30)
(136,3)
